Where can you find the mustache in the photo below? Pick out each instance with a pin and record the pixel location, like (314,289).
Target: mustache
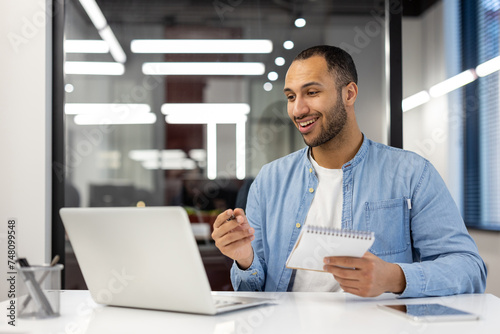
(308,115)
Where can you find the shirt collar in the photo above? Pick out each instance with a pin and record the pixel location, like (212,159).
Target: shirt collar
(348,165)
(359,156)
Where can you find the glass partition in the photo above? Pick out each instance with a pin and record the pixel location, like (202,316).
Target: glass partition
(181,102)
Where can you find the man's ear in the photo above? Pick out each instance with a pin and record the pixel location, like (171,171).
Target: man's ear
(350,93)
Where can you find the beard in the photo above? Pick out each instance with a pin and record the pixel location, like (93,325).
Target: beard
(334,121)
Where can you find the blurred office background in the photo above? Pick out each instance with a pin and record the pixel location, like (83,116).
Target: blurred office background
(154,115)
(194,137)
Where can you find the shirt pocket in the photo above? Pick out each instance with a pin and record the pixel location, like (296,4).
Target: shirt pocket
(390,221)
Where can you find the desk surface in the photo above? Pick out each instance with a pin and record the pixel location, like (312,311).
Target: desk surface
(293,313)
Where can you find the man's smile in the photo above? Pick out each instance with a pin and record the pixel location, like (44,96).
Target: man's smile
(306,124)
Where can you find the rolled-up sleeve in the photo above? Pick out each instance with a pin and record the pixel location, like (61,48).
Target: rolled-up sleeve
(251,279)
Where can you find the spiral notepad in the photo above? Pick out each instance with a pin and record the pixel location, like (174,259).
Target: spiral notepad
(316,242)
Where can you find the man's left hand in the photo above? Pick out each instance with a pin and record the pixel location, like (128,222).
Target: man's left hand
(368,276)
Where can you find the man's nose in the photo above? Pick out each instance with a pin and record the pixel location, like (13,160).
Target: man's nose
(300,107)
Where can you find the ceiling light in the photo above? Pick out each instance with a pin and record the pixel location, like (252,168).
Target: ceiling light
(162,159)
(94,13)
(280,61)
(170,164)
(212,114)
(196,118)
(201,46)
(268,86)
(452,83)
(211,150)
(85,46)
(300,22)
(240,150)
(198,154)
(100,23)
(488,67)
(114,47)
(69,88)
(236,108)
(222,68)
(204,113)
(288,45)
(133,119)
(93,68)
(144,155)
(102,108)
(273,76)
(415,100)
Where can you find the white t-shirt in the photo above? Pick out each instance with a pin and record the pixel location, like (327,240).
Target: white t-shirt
(325,210)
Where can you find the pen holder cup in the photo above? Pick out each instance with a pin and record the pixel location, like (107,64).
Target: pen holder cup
(39,289)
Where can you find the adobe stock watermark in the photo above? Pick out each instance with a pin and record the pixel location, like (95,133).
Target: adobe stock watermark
(31,26)
(455,118)
(322,249)
(116,284)
(255,319)
(372,29)
(224,6)
(96,135)
(257,145)
(268,134)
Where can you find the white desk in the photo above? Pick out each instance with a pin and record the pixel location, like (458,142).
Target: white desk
(293,313)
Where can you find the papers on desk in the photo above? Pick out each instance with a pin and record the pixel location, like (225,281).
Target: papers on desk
(315,243)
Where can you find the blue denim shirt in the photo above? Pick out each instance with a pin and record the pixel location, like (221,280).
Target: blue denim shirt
(395,193)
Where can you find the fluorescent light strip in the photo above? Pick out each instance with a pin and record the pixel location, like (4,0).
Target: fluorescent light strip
(146,118)
(222,68)
(100,23)
(198,154)
(93,68)
(170,164)
(198,118)
(462,79)
(452,83)
(100,108)
(85,46)
(114,47)
(213,114)
(415,100)
(488,67)
(204,113)
(94,13)
(227,108)
(148,155)
(240,150)
(211,151)
(201,46)
(170,159)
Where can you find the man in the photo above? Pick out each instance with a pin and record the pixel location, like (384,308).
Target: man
(344,180)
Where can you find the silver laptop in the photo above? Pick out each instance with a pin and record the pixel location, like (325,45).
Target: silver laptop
(144,258)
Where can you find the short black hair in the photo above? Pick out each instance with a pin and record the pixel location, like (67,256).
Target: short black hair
(339,62)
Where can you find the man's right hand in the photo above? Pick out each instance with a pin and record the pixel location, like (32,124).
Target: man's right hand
(233,237)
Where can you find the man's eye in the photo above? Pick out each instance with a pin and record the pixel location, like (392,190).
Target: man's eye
(313,93)
(290,97)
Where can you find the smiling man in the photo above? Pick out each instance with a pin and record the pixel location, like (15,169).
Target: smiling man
(344,180)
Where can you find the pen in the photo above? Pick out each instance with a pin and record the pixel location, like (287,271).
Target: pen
(231,218)
(40,281)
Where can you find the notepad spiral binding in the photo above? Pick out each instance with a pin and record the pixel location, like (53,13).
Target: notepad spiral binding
(365,235)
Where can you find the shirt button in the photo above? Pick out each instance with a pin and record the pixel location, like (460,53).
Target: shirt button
(311,190)
(310,170)
(298,225)
(254,273)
